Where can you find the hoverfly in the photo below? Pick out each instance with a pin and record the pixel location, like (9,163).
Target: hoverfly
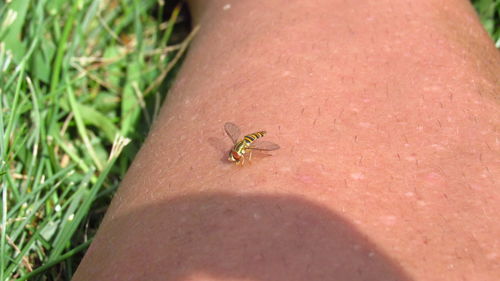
(237,153)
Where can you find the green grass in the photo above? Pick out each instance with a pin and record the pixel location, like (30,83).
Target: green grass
(489,13)
(80,83)
(80,80)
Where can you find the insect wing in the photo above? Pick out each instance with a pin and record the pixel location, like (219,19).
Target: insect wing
(264,146)
(232,130)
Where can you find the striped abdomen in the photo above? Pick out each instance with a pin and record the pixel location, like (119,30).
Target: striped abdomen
(248,139)
(236,154)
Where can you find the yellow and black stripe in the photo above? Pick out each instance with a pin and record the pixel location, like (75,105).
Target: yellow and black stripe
(248,139)
(237,154)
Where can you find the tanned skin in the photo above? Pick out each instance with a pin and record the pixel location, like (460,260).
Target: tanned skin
(387,115)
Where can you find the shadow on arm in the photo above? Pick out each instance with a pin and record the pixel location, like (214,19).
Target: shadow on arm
(219,236)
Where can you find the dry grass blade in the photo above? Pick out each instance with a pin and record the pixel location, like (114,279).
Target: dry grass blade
(171,64)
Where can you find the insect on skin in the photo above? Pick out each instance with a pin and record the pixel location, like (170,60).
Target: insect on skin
(237,153)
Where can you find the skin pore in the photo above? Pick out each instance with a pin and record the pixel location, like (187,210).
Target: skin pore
(386,113)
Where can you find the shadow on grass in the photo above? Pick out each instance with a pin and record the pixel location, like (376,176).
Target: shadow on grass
(217,236)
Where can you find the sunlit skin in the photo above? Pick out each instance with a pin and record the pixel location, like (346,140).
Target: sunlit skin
(387,117)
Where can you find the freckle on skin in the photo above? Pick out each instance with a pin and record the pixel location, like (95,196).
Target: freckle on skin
(357,176)
(492,256)
(409,194)
(306,179)
(388,220)
(411,158)
(438,147)
(421,203)
(285,169)
(433,178)
(365,124)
